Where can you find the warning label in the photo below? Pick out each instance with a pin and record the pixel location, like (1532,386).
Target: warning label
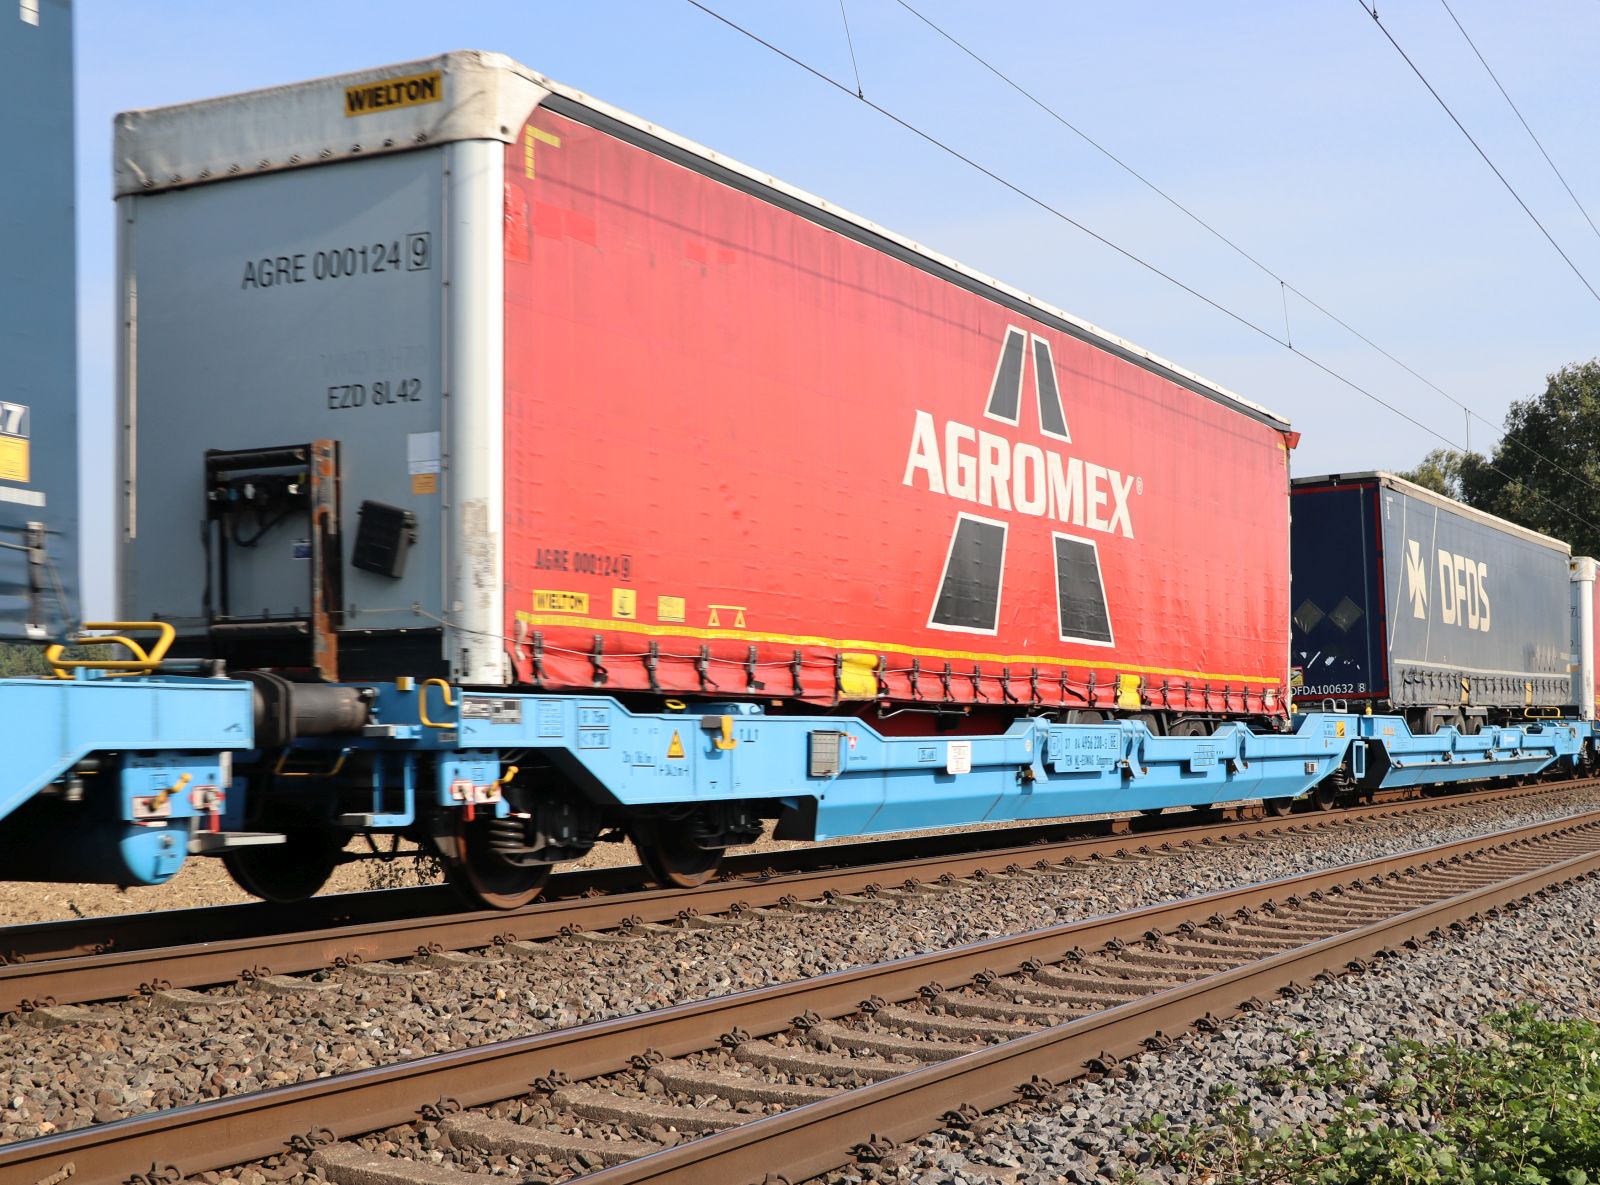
(675,747)
(624,603)
(669,608)
(546,600)
(13,459)
(14,430)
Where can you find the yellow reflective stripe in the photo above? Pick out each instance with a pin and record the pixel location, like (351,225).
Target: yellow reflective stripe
(712,635)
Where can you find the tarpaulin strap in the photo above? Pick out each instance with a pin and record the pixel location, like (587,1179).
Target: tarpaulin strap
(1166,688)
(650,661)
(538,657)
(916,673)
(750,681)
(703,666)
(977,689)
(794,670)
(882,673)
(1227,697)
(1206,691)
(1089,699)
(600,676)
(1005,686)
(1033,686)
(944,681)
(838,676)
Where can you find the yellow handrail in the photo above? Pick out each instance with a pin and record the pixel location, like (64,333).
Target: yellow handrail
(422,702)
(143,662)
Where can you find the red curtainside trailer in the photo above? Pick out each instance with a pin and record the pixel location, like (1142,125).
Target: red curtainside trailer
(753,446)
(646,420)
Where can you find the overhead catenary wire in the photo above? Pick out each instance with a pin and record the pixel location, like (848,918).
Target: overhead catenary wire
(1126,253)
(1495,169)
(851,42)
(1285,287)
(1520,118)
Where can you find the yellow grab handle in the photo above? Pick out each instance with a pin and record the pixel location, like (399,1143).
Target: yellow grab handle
(422,703)
(143,661)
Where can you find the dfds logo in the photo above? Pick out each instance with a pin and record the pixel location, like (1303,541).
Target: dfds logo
(984,468)
(1463,588)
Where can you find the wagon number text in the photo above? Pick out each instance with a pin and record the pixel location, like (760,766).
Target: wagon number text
(413,253)
(343,396)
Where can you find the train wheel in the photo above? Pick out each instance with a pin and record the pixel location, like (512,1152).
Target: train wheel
(1326,796)
(286,872)
(488,878)
(673,860)
(1279,806)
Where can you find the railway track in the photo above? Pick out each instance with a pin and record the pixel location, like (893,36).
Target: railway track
(810,1074)
(47,965)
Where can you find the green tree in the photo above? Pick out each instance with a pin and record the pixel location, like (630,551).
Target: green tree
(1439,471)
(1545,471)
(20,659)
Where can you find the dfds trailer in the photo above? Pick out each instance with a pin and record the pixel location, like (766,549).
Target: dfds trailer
(38,328)
(1414,602)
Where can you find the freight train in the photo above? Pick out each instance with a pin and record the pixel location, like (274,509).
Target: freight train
(502,471)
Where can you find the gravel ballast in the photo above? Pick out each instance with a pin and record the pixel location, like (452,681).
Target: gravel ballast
(178,1048)
(1546,954)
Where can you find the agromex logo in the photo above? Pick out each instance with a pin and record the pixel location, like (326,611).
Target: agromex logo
(985,469)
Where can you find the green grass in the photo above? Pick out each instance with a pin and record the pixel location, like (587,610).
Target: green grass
(1523,1111)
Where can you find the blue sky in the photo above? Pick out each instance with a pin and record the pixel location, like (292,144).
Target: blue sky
(1292,127)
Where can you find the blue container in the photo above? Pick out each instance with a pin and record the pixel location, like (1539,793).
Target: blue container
(38,327)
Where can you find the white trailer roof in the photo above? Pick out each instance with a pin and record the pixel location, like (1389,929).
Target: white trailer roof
(1394,481)
(477,95)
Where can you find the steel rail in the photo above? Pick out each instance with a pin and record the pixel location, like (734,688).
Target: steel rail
(820,1136)
(235,1130)
(115,974)
(40,941)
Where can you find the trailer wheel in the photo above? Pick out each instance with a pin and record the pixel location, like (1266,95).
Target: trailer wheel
(286,872)
(673,860)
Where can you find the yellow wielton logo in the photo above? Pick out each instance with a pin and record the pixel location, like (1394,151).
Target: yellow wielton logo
(549,600)
(410,91)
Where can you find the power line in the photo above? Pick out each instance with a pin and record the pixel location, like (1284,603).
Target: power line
(851,42)
(1523,121)
(1284,286)
(989,173)
(933,140)
(1373,13)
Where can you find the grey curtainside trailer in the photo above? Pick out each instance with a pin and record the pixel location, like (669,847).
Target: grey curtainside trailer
(1417,604)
